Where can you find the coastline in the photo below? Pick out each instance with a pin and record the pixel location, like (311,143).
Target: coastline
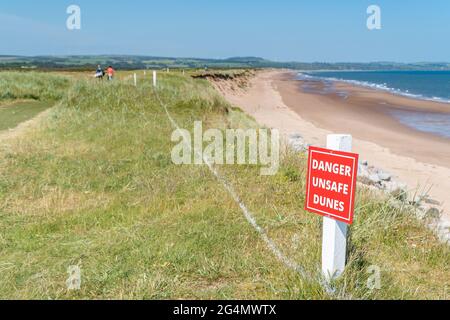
(310,75)
(419,159)
(367,115)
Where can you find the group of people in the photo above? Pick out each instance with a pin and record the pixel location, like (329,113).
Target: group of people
(109,72)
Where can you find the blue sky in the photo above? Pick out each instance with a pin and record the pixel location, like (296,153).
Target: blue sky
(284,30)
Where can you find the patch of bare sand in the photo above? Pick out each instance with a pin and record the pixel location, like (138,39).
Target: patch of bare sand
(263,101)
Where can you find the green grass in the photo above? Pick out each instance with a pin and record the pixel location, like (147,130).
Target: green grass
(13,114)
(32,86)
(24,95)
(94,186)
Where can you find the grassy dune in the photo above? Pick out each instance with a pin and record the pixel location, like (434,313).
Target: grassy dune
(32,86)
(94,186)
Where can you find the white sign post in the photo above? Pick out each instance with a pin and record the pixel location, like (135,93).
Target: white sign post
(154,78)
(334,241)
(135,80)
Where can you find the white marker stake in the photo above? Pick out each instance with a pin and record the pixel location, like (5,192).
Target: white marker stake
(334,242)
(154,78)
(145,73)
(135,80)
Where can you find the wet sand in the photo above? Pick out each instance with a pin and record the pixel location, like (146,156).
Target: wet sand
(366,114)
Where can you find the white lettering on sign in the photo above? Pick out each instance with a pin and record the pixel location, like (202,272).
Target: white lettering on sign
(334,168)
(329,203)
(330,185)
(331,182)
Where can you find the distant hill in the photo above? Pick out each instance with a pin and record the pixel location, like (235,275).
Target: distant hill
(129,62)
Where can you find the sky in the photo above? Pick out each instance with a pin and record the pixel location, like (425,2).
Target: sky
(283,30)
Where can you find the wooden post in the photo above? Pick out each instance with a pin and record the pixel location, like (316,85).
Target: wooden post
(334,241)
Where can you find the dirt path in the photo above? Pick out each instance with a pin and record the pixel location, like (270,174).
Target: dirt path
(10,134)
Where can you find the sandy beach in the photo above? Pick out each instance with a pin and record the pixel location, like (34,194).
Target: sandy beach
(419,159)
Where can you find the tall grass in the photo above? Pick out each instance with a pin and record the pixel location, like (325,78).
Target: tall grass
(32,85)
(94,186)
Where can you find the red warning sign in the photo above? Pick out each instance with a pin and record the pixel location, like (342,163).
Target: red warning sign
(331,183)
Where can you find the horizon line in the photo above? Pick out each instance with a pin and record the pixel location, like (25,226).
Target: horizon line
(217,59)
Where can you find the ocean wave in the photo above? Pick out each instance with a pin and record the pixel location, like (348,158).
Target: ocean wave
(371,85)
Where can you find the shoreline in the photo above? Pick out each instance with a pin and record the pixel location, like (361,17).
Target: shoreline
(274,100)
(370,85)
(366,114)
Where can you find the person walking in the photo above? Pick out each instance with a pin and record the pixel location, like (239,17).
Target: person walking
(99,73)
(110,72)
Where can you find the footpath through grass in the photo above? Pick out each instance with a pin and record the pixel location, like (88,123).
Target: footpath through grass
(25,95)
(94,186)
(13,114)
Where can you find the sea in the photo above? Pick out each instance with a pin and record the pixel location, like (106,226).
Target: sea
(423,85)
